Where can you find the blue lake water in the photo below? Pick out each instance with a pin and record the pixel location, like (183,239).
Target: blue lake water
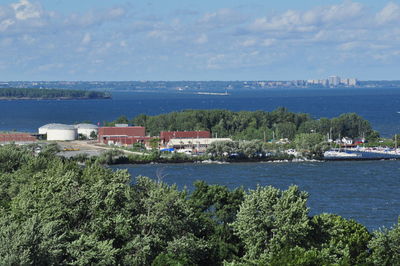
(380,106)
(367,191)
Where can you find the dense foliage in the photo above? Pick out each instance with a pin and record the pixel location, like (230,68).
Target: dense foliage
(246,125)
(15,93)
(55,212)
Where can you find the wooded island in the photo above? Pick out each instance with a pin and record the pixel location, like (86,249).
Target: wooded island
(47,94)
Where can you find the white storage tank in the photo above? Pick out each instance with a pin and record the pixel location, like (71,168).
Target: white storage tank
(87,130)
(43,129)
(61,132)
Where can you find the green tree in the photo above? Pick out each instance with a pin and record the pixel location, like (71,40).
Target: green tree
(93,135)
(252,149)
(216,207)
(286,130)
(223,148)
(122,120)
(385,246)
(344,241)
(270,219)
(312,145)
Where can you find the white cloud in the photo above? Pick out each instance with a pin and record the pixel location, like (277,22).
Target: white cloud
(225,17)
(268,42)
(87,38)
(5,24)
(47,67)
(228,38)
(123,43)
(25,10)
(94,17)
(116,12)
(202,39)
(390,13)
(248,43)
(215,61)
(28,39)
(307,21)
(343,12)
(349,46)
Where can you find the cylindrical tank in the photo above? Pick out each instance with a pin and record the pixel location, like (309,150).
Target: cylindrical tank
(61,132)
(86,130)
(43,129)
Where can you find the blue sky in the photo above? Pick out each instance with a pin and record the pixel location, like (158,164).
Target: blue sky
(198,40)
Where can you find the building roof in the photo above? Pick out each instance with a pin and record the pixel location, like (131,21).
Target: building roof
(60,127)
(167,135)
(57,126)
(195,141)
(122,131)
(86,126)
(16,137)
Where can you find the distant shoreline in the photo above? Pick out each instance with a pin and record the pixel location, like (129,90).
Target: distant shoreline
(54,99)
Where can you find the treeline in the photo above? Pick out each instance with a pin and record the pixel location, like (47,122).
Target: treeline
(55,212)
(16,93)
(247,125)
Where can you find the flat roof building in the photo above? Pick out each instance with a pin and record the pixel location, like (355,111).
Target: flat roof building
(122,135)
(195,144)
(19,138)
(165,136)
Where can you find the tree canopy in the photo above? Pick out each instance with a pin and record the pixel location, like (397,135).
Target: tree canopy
(56,212)
(248,125)
(15,93)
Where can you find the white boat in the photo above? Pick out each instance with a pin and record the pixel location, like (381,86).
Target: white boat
(213,93)
(340,154)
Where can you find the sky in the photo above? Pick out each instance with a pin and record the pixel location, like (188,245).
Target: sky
(120,40)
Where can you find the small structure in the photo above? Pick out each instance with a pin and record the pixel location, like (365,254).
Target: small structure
(17,138)
(194,144)
(165,136)
(358,141)
(347,141)
(122,135)
(87,130)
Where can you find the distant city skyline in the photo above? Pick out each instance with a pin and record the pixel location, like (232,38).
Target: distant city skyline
(199,40)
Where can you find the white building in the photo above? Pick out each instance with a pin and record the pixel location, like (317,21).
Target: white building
(196,144)
(347,141)
(334,80)
(345,81)
(87,130)
(353,82)
(43,129)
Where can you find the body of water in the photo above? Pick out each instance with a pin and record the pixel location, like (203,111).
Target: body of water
(366,191)
(380,106)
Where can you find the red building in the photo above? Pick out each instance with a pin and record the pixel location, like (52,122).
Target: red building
(165,136)
(122,135)
(16,137)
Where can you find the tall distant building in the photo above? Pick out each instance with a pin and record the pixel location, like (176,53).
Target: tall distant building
(345,81)
(349,81)
(334,80)
(353,82)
